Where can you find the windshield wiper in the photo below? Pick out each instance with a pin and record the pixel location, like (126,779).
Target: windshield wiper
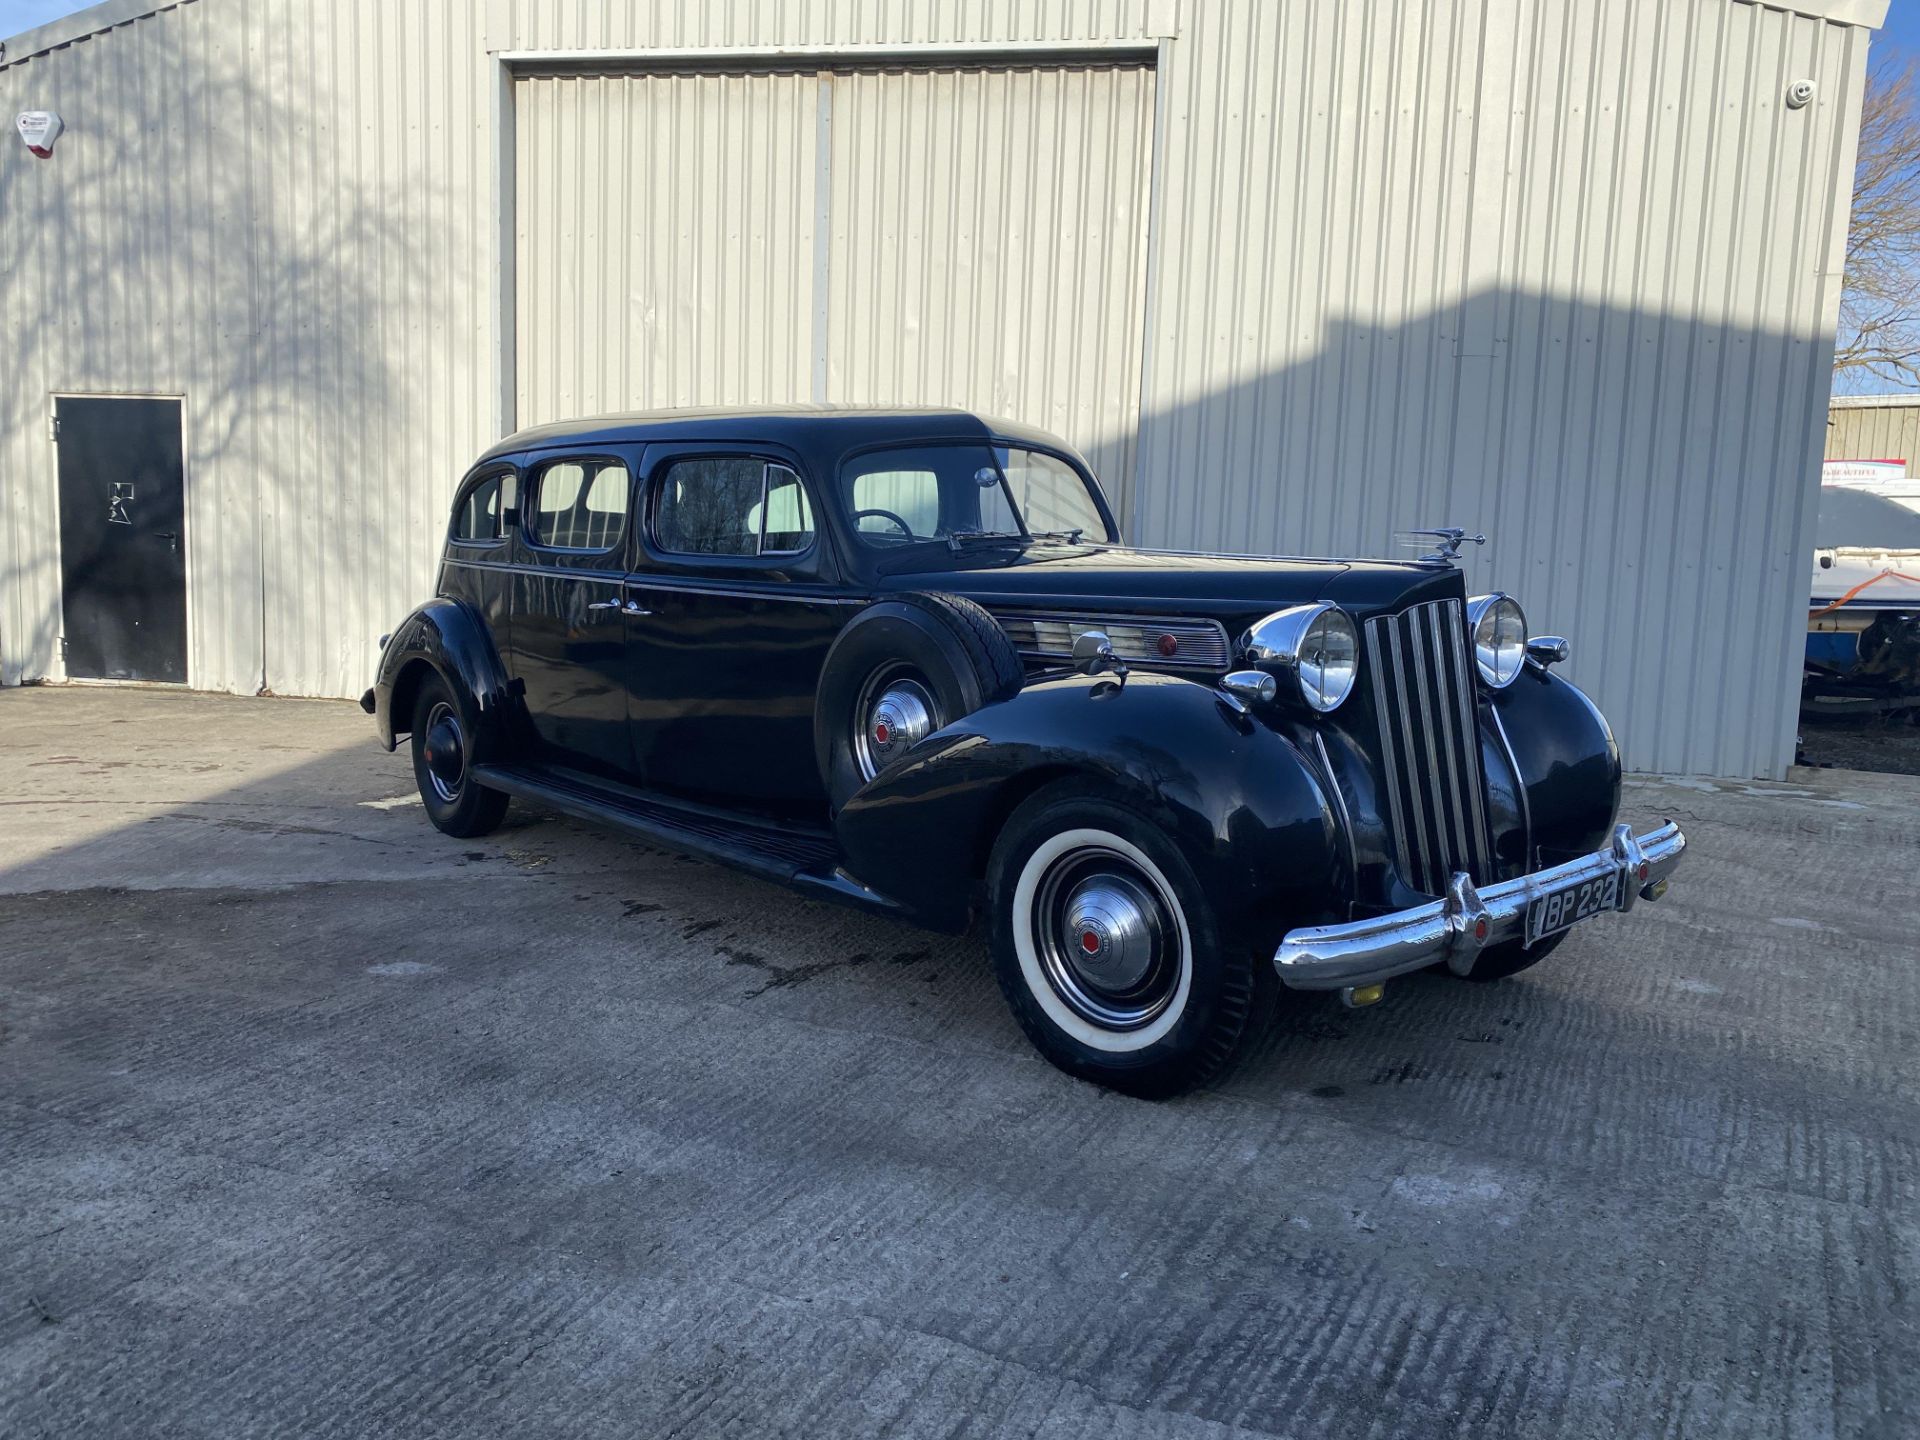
(957,538)
(1065,537)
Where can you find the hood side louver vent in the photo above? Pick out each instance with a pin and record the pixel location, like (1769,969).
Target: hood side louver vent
(1137,639)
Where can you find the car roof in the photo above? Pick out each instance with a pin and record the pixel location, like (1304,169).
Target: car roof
(817,429)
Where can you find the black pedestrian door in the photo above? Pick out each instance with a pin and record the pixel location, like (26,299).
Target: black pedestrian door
(123,538)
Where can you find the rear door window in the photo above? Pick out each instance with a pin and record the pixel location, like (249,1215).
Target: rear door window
(580,505)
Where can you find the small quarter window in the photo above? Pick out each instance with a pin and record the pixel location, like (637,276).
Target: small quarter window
(732,505)
(480,518)
(580,505)
(786,520)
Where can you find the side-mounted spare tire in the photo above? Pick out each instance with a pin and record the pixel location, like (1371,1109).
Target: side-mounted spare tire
(902,668)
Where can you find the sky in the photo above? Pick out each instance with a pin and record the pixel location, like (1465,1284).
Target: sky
(1902,28)
(18,15)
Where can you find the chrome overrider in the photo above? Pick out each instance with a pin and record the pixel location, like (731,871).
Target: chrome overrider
(1456,928)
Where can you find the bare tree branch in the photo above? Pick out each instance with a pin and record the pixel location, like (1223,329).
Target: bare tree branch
(1880,301)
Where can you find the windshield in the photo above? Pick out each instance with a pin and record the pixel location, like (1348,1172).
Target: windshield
(912,494)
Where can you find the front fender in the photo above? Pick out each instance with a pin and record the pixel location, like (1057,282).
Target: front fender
(450,637)
(1568,764)
(1246,807)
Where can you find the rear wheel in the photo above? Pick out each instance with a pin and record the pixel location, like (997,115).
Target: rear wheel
(1107,949)
(442,760)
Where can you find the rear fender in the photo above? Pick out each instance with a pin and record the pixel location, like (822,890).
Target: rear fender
(451,638)
(1246,807)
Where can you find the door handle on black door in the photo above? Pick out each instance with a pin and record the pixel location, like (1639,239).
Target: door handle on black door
(604,605)
(634,607)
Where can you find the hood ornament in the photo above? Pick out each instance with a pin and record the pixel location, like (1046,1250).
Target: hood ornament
(1447,542)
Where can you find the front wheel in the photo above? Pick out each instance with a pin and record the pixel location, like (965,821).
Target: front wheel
(1107,949)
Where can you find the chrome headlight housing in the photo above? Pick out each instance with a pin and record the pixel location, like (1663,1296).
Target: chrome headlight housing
(1499,630)
(1314,650)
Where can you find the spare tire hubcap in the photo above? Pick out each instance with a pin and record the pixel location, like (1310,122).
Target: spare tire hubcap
(897,715)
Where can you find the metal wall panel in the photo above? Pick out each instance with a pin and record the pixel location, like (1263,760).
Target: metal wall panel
(1567,273)
(1876,429)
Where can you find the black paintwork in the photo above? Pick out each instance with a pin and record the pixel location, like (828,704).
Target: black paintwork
(703,706)
(1246,805)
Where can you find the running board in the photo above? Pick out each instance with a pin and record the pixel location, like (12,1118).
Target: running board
(806,859)
(778,852)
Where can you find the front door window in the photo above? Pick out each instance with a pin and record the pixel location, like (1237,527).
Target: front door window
(731,505)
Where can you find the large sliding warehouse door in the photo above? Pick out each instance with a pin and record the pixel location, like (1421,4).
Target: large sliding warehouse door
(664,241)
(970,236)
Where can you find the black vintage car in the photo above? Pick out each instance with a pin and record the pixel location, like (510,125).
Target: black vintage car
(901,659)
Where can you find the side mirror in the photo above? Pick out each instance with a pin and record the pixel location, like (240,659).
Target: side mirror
(1093,655)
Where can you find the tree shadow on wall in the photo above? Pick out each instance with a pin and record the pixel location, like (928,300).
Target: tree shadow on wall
(221,222)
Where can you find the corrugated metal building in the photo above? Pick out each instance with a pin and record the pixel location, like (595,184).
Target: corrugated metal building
(1294,274)
(1875,427)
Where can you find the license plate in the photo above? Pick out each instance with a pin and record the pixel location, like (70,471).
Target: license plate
(1552,913)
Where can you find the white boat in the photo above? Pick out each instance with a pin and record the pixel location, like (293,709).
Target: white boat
(1863,619)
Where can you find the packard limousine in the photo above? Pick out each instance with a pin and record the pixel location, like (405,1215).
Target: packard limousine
(903,660)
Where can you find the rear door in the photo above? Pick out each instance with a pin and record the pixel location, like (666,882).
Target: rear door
(568,639)
(740,601)
(123,537)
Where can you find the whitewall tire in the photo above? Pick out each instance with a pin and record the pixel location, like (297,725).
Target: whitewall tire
(1107,947)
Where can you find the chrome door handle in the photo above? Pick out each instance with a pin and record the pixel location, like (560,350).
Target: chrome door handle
(634,607)
(604,605)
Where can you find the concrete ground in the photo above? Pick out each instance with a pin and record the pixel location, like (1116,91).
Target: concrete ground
(314,1121)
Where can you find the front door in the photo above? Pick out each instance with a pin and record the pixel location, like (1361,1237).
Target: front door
(123,538)
(739,610)
(567,631)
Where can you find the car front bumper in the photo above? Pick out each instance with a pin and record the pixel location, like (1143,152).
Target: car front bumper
(1459,926)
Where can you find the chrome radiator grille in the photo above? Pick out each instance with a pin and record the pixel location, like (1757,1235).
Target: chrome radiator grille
(1430,746)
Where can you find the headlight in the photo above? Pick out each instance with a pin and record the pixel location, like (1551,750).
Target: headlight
(1315,646)
(1499,638)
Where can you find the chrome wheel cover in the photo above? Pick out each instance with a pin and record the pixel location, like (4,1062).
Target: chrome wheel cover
(444,751)
(895,712)
(1107,937)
